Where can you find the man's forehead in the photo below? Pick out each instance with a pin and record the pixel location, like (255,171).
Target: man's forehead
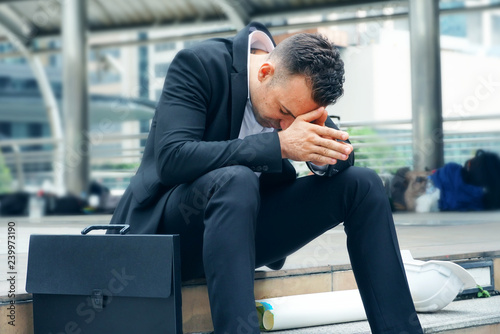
(298,100)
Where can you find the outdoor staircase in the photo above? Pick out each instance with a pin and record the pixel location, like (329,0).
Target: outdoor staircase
(304,273)
(478,315)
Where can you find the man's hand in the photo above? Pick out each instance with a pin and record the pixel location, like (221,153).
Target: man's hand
(308,139)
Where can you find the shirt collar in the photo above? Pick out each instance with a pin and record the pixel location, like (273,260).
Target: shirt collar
(257,40)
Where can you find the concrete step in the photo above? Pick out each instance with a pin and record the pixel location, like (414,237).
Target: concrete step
(320,266)
(473,316)
(269,284)
(480,315)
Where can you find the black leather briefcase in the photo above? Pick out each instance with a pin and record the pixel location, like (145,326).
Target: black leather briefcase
(105,283)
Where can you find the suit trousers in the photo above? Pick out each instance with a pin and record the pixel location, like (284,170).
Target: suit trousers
(229,225)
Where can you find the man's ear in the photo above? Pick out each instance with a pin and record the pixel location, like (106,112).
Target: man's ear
(266,71)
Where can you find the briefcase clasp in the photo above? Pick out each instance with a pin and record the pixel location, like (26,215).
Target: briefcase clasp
(97,299)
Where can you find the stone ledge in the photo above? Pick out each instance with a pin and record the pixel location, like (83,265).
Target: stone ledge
(464,256)
(23,318)
(268,284)
(471,316)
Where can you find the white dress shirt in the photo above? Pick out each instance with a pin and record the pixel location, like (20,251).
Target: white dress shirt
(250,126)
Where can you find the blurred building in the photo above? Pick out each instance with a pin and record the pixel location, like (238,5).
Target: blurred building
(114,110)
(126,82)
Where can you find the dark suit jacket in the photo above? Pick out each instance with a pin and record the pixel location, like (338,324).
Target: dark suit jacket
(195,130)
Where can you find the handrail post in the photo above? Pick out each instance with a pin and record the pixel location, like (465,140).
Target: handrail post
(428,151)
(19,166)
(75,96)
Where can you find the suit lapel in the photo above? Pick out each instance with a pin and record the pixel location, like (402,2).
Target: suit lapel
(239,93)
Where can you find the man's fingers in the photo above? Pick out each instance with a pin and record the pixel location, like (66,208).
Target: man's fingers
(327,132)
(322,160)
(322,119)
(333,149)
(332,154)
(307,139)
(312,115)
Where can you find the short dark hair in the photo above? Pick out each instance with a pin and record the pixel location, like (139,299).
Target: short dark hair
(316,58)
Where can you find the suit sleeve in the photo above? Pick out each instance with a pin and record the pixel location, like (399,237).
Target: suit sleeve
(181,154)
(340,165)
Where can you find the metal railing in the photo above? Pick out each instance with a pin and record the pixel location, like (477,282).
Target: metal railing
(386,147)
(31,161)
(389,145)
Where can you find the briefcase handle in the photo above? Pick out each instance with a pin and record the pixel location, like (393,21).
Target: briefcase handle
(124,228)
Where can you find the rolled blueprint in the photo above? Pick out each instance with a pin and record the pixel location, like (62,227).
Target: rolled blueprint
(310,310)
(433,285)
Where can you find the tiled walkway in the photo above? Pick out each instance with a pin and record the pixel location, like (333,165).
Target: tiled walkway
(443,234)
(433,235)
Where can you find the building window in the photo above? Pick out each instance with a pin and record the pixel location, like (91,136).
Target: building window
(453,25)
(35,130)
(190,43)
(6,48)
(5,130)
(55,60)
(144,125)
(96,78)
(4,83)
(168,46)
(96,55)
(56,88)
(115,53)
(161,69)
(30,84)
(143,68)
(495,29)
(158,94)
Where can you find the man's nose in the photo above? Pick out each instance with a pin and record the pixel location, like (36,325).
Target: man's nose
(284,124)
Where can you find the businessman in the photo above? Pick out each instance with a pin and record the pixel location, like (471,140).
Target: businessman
(216,170)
